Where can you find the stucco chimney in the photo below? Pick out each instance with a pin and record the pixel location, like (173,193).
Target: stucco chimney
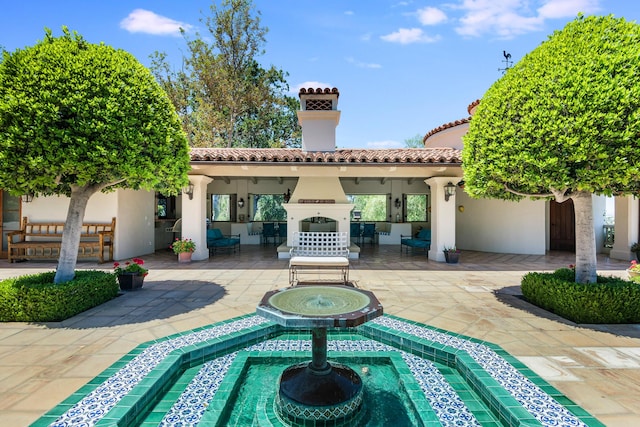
(319,117)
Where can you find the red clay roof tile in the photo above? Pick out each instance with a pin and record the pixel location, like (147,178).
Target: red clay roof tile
(351,156)
(444,127)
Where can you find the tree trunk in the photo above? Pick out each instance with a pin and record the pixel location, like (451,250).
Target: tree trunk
(71,234)
(585,238)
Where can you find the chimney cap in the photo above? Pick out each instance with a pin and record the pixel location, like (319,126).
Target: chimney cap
(319,91)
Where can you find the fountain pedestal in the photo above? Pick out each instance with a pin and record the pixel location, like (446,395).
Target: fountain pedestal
(319,393)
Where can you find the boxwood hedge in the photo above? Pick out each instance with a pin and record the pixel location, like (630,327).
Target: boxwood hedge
(610,300)
(35,298)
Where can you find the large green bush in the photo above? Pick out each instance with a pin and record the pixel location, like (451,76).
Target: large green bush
(35,298)
(610,300)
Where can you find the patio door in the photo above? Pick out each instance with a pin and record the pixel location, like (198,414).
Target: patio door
(563,226)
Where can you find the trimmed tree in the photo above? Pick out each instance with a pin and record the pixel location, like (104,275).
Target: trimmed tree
(223,95)
(563,123)
(77,118)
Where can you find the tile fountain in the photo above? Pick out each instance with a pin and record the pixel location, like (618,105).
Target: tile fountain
(254,370)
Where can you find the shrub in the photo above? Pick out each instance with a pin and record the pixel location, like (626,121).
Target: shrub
(35,298)
(610,300)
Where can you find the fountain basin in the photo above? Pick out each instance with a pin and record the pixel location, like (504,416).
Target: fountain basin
(328,306)
(318,393)
(147,384)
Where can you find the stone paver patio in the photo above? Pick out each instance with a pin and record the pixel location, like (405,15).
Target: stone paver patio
(597,366)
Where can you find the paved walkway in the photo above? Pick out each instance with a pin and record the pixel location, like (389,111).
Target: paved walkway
(598,367)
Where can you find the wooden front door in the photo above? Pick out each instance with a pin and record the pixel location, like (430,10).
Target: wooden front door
(9,218)
(563,226)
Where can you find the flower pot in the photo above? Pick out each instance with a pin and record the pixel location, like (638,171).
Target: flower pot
(634,275)
(130,281)
(451,257)
(184,257)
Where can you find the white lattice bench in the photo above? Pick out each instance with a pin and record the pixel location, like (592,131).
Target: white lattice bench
(314,251)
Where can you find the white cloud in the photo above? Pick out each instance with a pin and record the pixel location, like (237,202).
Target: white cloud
(145,21)
(362,64)
(408,36)
(385,144)
(554,9)
(431,16)
(349,12)
(508,18)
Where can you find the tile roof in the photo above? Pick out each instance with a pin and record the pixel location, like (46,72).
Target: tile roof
(444,127)
(472,105)
(318,91)
(407,156)
(452,124)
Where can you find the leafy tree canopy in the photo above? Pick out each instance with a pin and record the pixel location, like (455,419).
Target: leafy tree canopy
(77,118)
(414,142)
(563,122)
(564,119)
(74,113)
(225,98)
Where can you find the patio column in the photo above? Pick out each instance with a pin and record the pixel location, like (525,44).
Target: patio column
(626,231)
(443,217)
(194,216)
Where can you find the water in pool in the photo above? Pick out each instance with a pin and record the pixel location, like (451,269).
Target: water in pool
(385,397)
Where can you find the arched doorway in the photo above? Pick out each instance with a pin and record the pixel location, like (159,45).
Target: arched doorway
(562,228)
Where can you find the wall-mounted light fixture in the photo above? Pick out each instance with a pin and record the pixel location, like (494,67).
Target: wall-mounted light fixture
(27,198)
(398,203)
(241,203)
(287,196)
(449,190)
(188,190)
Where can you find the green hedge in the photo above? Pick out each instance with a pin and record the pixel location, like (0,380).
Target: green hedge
(610,300)
(35,298)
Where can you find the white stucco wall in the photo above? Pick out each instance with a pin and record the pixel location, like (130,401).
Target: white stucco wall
(135,224)
(134,211)
(101,208)
(450,137)
(500,226)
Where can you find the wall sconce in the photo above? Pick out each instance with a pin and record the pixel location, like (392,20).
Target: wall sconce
(449,190)
(398,203)
(27,198)
(241,203)
(188,190)
(287,196)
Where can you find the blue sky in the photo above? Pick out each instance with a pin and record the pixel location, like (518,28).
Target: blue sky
(402,67)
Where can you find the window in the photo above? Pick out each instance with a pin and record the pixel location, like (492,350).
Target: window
(220,207)
(373,207)
(267,207)
(166,207)
(416,207)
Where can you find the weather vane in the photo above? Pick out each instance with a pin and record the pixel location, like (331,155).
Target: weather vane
(507,61)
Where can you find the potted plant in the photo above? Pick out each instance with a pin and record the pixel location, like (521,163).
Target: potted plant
(451,255)
(183,248)
(634,271)
(131,274)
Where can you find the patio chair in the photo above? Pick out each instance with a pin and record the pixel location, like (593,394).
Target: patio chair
(355,233)
(282,232)
(369,231)
(268,232)
(176,228)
